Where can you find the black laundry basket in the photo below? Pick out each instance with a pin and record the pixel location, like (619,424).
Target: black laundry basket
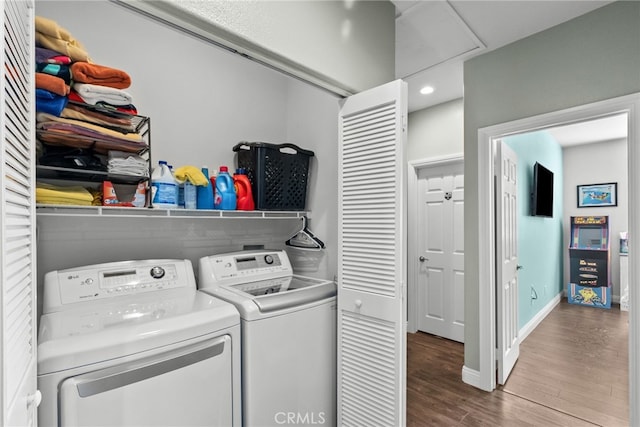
(279,174)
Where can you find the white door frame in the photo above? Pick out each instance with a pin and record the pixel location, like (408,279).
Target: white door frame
(414,168)
(629,104)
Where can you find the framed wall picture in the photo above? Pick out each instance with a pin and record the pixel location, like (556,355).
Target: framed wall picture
(598,195)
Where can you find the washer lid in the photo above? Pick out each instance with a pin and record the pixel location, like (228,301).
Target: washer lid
(106,330)
(256,299)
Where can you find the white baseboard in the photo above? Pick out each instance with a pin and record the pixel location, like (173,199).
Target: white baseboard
(471,377)
(409,328)
(539,317)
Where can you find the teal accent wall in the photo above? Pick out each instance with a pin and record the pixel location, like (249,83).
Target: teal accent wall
(540,244)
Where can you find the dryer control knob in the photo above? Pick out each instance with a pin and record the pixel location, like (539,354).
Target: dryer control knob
(268,259)
(157,272)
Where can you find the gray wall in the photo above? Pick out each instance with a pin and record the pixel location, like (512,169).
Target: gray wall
(588,59)
(348,45)
(593,164)
(202,100)
(436,131)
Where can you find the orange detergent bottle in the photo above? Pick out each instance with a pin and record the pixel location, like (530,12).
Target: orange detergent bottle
(243,190)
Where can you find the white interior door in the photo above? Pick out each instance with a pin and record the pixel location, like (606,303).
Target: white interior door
(441,251)
(371,258)
(508,342)
(17,217)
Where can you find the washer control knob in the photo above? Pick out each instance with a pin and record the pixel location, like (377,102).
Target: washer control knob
(157,272)
(268,259)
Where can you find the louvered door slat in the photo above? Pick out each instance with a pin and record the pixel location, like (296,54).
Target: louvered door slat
(371,341)
(371,254)
(369,399)
(17,217)
(15,115)
(17,148)
(18,179)
(17,316)
(16,202)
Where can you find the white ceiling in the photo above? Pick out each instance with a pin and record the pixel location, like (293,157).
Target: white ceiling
(435,37)
(596,130)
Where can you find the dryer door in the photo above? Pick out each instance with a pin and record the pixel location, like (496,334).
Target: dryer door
(191,386)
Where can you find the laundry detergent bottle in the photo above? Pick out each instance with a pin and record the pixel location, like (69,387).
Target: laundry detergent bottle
(204,193)
(243,190)
(164,193)
(179,189)
(225,195)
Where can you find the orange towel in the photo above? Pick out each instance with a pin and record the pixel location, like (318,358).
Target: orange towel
(52,84)
(84,72)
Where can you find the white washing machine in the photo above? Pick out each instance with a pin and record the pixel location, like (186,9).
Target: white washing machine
(288,336)
(136,344)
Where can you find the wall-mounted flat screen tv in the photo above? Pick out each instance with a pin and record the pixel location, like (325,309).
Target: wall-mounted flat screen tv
(542,193)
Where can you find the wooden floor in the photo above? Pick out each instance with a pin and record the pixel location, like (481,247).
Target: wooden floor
(572,371)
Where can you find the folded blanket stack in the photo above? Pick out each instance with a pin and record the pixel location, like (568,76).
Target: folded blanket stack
(52,36)
(53,80)
(55,195)
(62,62)
(79,134)
(127,164)
(83,105)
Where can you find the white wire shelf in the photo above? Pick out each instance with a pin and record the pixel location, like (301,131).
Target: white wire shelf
(129,212)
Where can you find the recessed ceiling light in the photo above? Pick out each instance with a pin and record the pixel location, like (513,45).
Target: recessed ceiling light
(426,90)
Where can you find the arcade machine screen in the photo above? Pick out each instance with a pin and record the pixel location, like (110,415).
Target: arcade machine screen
(590,237)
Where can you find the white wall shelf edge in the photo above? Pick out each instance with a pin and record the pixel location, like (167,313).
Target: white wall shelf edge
(128,212)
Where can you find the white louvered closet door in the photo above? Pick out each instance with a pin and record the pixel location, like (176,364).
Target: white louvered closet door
(371,258)
(17,217)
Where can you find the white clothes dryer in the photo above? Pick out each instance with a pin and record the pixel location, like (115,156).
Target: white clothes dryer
(135,343)
(288,325)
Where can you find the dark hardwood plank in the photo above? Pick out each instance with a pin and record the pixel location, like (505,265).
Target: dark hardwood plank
(572,371)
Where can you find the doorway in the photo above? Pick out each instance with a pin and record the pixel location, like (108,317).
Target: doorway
(486,304)
(435,247)
(575,156)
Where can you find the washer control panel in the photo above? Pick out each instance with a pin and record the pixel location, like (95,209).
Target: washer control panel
(114,279)
(237,267)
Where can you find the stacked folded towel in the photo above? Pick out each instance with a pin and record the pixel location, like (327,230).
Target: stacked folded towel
(79,134)
(127,164)
(83,105)
(93,93)
(65,70)
(54,195)
(84,72)
(53,80)
(48,56)
(52,36)
(49,102)
(112,120)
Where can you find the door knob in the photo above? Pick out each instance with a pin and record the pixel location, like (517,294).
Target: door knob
(423,259)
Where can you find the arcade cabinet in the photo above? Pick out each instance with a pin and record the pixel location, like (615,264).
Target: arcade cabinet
(589,262)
